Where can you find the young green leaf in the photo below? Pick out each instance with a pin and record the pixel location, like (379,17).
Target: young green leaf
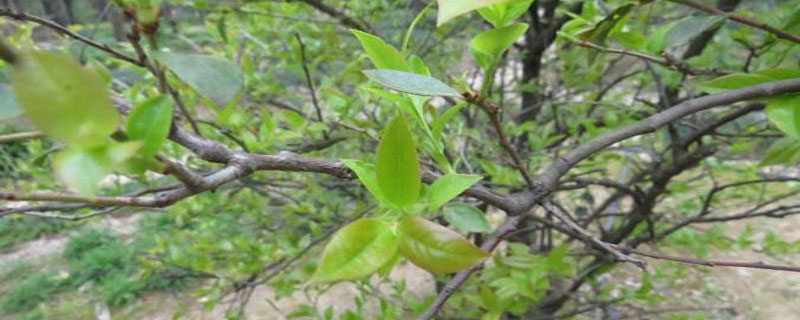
(784,112)
(733,81)
(500,15)
(436,248)
(780,73)
(356,251)
(783,151)
(366,174)
(82,169)
(64,99)
(386,269)
(397,168)
(150,122)
(382,54)
(437,127)
(601,30)
(465,217)
(494,42)
(448,187)
(690,28)
(218,79)
(411,83)
(449,9)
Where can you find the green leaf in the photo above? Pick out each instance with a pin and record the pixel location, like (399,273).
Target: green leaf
(741,80)
(64,99)
(496,41)
(601,30)
(382,54)
(386,269)
(411,83)
(632,40)
(82,169)
(466,217)
(8,106)
(397,167)
(784,112)
(502,14)
(780,73)
(356,251)
(218,79)
(437,127)
(366,174)
(783,151)
(449,9)
(150,122)
(436,248)
(447,187)
(690,28)
(732,81)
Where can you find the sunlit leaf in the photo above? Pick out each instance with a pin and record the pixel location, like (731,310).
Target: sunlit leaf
(449,9)
(411,83)
(356,251)
(466,217)
(436,248)
(447,187)
(784,112)
(397,168)
(502,14)
(494,42)
(82,169)
(733,81)
(150,122)
(64,99)
(366,174)
(218,79)
(783,151)
(601,30)
(382,54)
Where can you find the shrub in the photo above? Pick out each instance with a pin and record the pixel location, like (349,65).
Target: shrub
(29,293)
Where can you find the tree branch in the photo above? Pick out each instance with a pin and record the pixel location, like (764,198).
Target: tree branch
(65,31)
(709,263)
(740,19)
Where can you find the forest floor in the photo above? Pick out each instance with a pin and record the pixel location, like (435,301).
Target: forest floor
(721,293)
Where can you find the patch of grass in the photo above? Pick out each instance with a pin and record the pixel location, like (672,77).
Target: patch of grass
(19,229)
(29,293)
(96,254)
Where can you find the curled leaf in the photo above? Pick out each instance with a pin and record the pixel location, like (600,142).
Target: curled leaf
(356,251)
(436,248)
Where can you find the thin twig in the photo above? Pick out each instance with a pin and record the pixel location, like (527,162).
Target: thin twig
(585,236)
(740,19)
(493,111)
(65,31)
(6,138)
(310,82)
(709,263)
(667,62)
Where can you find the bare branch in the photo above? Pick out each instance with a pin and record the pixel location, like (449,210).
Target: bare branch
(63,30)
(740,19)
(709,263)
(6,138)
(667,62)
